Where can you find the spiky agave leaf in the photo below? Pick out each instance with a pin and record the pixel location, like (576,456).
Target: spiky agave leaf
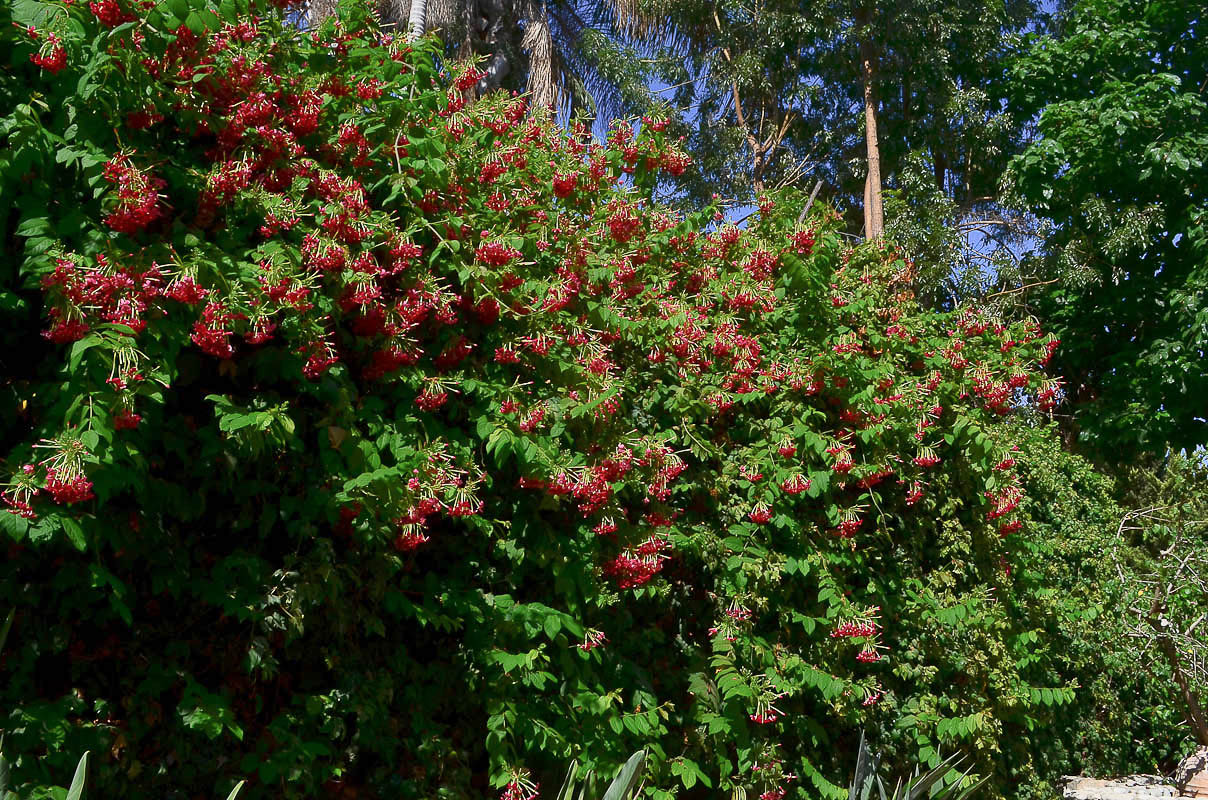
(866,769)
(568,785)
(76,790)
(625,784)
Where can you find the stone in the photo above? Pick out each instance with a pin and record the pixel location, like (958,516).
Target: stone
(1132,787)
(1191,776)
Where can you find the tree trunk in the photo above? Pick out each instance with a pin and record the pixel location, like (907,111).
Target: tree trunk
(538,44)
(319,10)
(874,215)
(867,206)
(416,19)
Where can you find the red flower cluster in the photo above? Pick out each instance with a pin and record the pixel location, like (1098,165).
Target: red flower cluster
(634,568)
(1004,502)
(796,484)
(591,640)
(431,399)
(213,331)
(137,196)
(126,420)
(853,630)
(67,489)
(497,254)
(109,13)
(102,292)
(760,514)
(51,57)
(926,459)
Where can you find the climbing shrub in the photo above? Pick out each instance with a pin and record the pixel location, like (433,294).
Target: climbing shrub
(371,438)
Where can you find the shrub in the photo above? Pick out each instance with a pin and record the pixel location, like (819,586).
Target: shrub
(385,441)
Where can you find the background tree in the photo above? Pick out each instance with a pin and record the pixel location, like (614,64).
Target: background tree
(778,94)
(593,57)
(1117,169)
(1167,585)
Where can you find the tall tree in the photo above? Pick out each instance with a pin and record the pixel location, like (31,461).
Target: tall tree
(874,213)
(1118,171)
(848,91)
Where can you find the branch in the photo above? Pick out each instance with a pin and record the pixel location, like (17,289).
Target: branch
(752,141)
(809,203)
(981,223)
(1022,288)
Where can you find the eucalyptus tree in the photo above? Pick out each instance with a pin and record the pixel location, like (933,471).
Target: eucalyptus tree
(844,91)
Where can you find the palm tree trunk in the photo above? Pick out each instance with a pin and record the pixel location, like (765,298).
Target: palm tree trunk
(416,18)
(319,10)
(874,215)
(538,43)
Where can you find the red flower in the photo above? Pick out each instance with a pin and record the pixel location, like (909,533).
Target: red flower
(497,254)
(109,13)
(65,331)
(565,184)
(126,420)
(70,490)
(926,459)
(803,242)
(52,57)
(430,400)
(796,484)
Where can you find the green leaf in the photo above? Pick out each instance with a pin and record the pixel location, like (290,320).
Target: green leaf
(75,533)
(622,788)
(16,527)
(45,529)
(568,785)
(79,348)
(4,629)
(76,790)
(235,791)
(196,23)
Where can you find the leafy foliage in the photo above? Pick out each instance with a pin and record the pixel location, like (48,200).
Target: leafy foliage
(1119,170)
(369,440)
(1121,718)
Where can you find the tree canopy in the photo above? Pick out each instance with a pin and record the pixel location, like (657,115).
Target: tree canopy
(1118,168)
